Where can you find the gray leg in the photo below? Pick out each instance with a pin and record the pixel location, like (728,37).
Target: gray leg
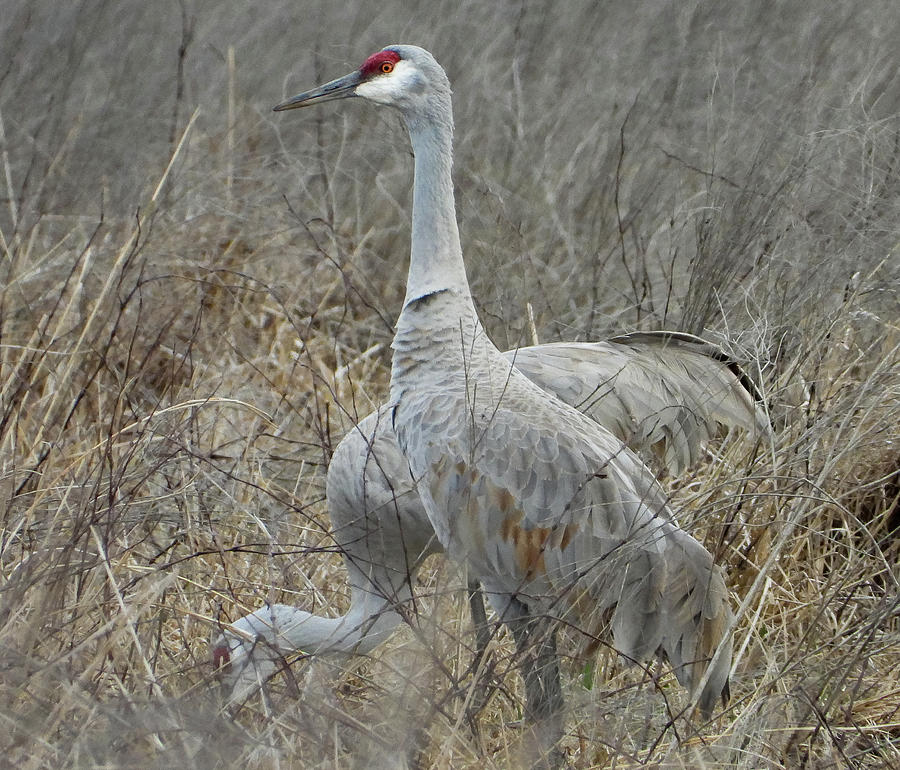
(480,621)
(483,633)
(536,643)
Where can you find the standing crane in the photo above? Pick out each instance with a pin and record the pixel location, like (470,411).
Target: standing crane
(663,392)
(552,513)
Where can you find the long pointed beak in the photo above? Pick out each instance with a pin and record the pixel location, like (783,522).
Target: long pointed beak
(337,89)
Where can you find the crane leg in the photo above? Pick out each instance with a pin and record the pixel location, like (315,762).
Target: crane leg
(480,621)
(483,633)
(536,643)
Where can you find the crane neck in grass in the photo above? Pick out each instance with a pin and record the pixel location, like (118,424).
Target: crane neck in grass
(436,260)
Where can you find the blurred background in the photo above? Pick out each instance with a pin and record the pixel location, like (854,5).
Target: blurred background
(197,298)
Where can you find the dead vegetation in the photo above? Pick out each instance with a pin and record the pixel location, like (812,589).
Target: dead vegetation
(194,307)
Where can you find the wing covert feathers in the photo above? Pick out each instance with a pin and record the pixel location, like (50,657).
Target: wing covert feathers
(662,390)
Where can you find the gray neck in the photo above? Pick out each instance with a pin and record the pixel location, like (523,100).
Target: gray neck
(434,333)
(436,261)
(290,629)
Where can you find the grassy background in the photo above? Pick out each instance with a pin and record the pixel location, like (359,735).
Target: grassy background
(197,298)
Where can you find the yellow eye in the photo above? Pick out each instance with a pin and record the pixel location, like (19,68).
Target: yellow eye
(387,66)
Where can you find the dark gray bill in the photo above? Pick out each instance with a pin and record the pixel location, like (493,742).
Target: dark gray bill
(336,89)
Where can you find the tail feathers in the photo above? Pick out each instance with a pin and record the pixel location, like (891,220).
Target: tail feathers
(671,600)
(638,622)
(698,620)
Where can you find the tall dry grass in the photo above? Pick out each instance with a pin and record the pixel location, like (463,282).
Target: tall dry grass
(197,300)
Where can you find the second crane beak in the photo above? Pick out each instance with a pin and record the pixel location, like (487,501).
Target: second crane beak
(337,89)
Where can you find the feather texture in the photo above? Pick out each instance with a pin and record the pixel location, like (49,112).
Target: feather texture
(545,505)
(384,534)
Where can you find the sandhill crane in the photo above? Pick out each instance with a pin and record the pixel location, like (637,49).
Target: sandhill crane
(657,391)
(552,513)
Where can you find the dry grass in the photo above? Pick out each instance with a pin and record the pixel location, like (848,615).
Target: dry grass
(197,300)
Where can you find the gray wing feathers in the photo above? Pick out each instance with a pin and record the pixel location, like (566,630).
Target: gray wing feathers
(566,517)
(699,617)
(662,586)
(670,392)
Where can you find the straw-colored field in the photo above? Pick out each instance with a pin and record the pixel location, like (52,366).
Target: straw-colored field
(197,298)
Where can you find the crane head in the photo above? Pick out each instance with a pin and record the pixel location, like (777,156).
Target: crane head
(402,76)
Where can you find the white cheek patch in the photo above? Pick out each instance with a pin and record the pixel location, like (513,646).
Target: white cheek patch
(392,88)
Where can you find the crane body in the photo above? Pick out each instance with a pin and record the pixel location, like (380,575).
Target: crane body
(667,392)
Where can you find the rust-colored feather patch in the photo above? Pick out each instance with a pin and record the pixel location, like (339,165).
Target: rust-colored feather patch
(482,498)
